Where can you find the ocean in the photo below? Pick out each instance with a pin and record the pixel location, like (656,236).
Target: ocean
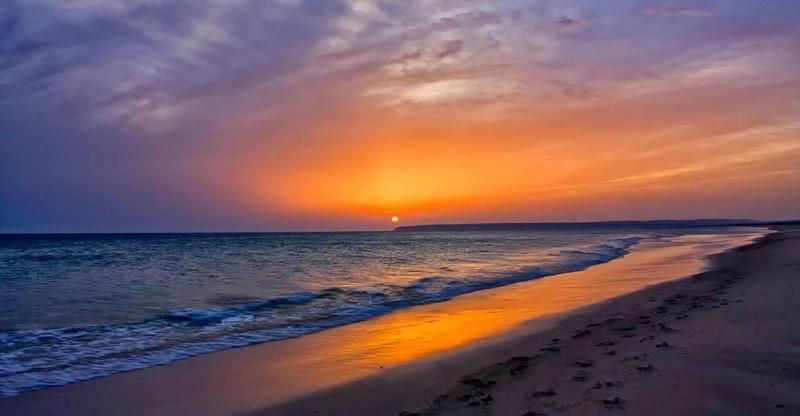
(75,307)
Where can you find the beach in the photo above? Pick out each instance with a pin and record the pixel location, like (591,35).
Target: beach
(723,341)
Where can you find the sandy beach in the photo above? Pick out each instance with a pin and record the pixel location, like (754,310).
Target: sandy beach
(723,342)
(720,342)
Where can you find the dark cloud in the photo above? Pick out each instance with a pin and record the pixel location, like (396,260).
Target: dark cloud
(142,57)
(565,21)
(449,48)
(100,107)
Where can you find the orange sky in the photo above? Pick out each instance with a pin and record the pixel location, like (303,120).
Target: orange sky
(672,151)
(339,115)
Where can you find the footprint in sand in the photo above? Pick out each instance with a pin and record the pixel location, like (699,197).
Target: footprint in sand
(607,384)
(646,368)
(517,365)
(637,357)
(580,376)
(664,328)
(615,402)
(550,392)
(626,328)
(478,383)
(581,333)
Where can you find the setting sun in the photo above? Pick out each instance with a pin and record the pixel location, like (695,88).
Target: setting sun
(395,219)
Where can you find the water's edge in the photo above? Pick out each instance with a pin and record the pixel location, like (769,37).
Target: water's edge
(76,363)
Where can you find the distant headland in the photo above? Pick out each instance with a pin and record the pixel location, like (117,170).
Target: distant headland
(522,226)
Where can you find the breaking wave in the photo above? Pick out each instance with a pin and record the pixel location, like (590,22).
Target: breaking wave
(31,359)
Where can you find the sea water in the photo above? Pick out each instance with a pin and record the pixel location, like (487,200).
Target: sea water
(75,307)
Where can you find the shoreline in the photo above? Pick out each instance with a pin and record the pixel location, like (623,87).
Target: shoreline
(678,347)
(223,367)
(199,330)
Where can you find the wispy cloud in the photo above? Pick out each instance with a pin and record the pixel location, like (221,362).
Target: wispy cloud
(121,101)
(565,21)
(670,9)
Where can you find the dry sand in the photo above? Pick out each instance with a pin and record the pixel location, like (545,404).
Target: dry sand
(724,342)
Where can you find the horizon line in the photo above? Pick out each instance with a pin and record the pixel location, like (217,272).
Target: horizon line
(733,222)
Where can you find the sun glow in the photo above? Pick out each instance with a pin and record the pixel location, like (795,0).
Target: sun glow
(395,219)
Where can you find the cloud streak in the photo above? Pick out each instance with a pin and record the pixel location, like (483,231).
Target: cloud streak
(120,114)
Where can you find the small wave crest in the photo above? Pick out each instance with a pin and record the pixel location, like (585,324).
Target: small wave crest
(31,359)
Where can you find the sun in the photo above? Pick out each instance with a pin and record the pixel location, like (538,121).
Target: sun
(395,219)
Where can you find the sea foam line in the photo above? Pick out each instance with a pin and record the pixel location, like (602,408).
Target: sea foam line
(32,359)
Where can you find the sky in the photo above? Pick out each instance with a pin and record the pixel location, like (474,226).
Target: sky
(277,115)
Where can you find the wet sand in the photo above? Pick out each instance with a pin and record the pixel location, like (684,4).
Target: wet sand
(723,342)
(404,360)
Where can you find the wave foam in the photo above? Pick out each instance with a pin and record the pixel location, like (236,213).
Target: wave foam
(31,359)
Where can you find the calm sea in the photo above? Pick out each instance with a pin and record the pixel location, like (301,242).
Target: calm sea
(83,306)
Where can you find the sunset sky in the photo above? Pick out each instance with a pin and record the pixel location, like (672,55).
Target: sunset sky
(213,115)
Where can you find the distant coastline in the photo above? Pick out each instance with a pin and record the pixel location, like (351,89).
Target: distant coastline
(511,226)
(522,226)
